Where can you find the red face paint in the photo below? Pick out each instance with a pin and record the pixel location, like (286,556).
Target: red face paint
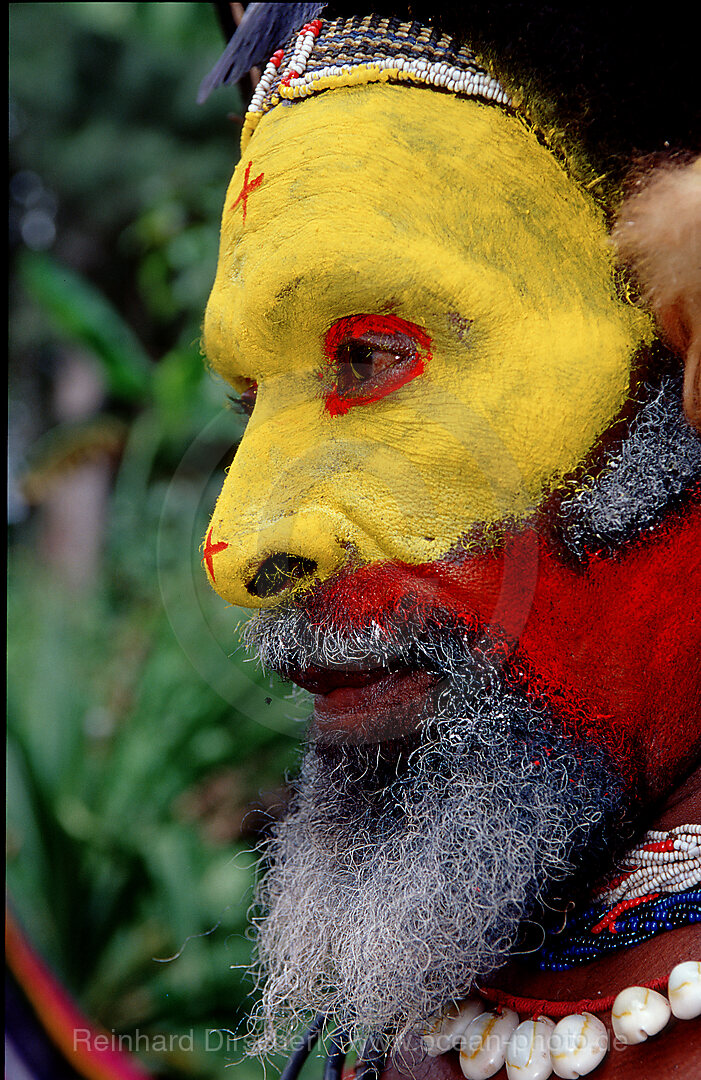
(370,356)
(210,550)
(612,647)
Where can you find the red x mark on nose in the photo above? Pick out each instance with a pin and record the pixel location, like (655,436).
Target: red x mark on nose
(246,190)
(210,550)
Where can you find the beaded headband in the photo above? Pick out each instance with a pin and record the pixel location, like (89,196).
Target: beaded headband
(325,55)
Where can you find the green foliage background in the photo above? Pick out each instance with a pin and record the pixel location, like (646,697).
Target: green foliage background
(138,736)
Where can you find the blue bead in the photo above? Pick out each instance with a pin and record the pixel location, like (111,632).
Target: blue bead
(648,919)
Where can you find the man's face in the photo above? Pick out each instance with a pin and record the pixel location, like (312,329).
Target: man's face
(419,304)
(426,304)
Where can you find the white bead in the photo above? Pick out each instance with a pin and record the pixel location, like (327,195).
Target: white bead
(577,1045)
(638,1013)
(484,1044)
(684,990)
(447,1031)
(528,1052)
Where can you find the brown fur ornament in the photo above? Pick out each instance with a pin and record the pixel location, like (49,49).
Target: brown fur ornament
(658,236)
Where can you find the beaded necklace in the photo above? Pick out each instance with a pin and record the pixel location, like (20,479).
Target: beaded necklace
(662,862)
(589,936)
(655,889)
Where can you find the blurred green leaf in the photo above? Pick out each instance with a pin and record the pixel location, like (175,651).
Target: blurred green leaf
(82,316)
(136,743)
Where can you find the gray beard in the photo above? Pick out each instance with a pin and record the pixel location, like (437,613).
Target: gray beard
(405,872)
(658,462)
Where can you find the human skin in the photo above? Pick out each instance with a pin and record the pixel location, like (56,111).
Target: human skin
(531,347)
(491,252)
(494,255)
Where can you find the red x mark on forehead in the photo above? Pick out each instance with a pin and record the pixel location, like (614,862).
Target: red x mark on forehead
(246,190)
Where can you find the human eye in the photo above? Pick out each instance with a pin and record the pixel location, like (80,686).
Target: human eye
(369,356)
(244,400)
(362,359)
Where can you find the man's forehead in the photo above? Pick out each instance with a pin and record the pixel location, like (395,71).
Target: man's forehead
(349,172)
(355,151)
(350,128)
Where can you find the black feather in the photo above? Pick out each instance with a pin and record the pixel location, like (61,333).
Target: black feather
(262,30)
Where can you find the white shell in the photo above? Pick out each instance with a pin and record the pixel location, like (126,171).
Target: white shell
(684,990)
(577,1045)
(637,1013)
(528,1052)
(447,1031)
(484,1044)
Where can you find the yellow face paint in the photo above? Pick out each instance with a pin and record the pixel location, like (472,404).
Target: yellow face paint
(450,216)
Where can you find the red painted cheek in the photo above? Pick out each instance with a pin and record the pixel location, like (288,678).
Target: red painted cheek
(355,326)
(620,642)
(613,647)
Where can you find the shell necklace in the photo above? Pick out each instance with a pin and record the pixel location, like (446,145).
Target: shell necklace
(538,1047)
(652,891)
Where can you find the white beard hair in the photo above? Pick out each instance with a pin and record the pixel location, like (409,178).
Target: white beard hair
(384,900)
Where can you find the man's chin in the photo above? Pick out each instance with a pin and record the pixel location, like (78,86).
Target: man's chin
(406,869)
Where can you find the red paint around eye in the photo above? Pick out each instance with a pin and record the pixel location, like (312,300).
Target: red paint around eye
(355,326)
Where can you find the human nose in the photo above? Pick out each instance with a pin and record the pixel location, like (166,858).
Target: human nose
(258,565)
(286,517)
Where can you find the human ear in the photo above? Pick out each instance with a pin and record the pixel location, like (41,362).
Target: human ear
(658,237)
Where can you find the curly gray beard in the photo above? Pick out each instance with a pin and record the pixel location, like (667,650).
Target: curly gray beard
(404,872)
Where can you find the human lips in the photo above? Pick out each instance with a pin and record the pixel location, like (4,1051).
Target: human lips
(372,703)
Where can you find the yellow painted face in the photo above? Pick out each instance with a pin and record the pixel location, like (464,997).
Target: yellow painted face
(493,353)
